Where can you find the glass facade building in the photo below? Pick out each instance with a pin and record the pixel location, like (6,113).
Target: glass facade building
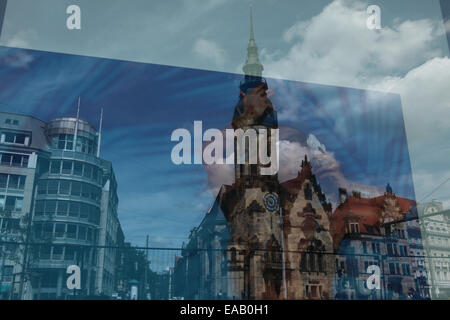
(72,199)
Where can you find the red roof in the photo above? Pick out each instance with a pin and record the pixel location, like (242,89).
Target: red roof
(367,211)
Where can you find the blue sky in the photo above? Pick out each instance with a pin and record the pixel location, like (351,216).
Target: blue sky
(144,103)
(322,41)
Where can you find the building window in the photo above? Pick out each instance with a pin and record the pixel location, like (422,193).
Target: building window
(14,160)
(74,209)
(50,207)
(71,231)
(39,208)
(12,181)
(44,253)
(48,230)
(84,210)
(391,268)
(42,187)
(312,260)
(16,138)
(55,166)
(64,187)
(52,187)
(63,142)
(81,233)
(67,167)
(353,228)
(62,208)
(76,188)
(78,168)
(60,230)
(13,204)
(58,252)
(69,253)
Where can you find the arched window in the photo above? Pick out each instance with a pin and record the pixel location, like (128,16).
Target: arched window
(313,259)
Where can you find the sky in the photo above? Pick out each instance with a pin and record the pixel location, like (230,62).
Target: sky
(317,42)
(144,103)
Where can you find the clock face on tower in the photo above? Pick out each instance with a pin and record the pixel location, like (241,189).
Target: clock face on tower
(271,201)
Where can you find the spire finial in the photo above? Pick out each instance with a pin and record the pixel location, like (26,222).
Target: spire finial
(252,34)
(252,66)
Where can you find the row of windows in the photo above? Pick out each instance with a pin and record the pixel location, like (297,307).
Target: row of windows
(17,138)
(11,203)
(375,247)
(60,252)
(68,208)
(69,187)
(392,250)
(12,121)
(12,181)
(312,262)
(65,142)
(9,224)
(64,231)
(76,168)
(13,160)
(394,268)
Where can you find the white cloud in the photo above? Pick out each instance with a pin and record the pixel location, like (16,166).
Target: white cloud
(210,50)
(336,48)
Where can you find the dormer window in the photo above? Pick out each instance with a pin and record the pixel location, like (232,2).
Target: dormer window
(352,228)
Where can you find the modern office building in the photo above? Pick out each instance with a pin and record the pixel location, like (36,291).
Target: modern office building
(52,172)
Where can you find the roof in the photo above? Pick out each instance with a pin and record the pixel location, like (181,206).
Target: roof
(29,124)
(367,211)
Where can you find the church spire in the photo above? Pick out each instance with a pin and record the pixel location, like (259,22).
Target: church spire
(252,66)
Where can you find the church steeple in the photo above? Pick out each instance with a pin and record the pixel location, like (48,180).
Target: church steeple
(252,66)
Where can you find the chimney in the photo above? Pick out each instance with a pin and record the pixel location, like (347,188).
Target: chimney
(342,195)
(356,194)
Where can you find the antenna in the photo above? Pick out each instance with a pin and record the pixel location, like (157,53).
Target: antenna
(100,133)
(76,125)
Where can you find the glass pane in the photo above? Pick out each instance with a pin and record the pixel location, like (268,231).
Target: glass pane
(50,207)
(52,187)
(76,188)
(42,187)
(3,180)
(19,204)
(62,208)
(9,137)
(67,167)
(55,166)
(6,159)
(78,168)
(82,233)
(64,187)
(84,211)
(20,138)
(74,209)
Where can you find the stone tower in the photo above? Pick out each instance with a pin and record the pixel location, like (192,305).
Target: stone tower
(252,202)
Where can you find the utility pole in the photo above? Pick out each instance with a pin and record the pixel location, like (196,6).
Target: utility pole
(146,267)
(25,256)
